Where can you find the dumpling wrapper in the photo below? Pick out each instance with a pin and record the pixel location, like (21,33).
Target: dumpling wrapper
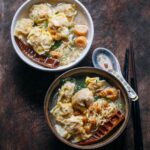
(40,40)
(58,20)
(40,12)
(62,109)
(68,9)
(66,92)
(23,28)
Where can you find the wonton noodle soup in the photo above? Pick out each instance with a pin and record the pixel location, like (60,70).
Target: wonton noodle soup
(53,33)
(93,101)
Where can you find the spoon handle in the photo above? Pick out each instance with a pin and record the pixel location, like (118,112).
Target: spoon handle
(131,93)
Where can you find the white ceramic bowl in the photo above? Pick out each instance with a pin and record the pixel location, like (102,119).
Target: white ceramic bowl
(23,11)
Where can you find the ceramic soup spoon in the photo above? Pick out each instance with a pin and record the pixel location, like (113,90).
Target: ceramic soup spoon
(104,59)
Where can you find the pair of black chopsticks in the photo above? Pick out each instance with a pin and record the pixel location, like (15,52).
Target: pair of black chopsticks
(130,75)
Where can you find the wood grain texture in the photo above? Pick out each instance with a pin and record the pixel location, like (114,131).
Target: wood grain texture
(22,89)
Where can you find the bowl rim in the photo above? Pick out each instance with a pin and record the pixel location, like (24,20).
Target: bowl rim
(51,127)
(61,68)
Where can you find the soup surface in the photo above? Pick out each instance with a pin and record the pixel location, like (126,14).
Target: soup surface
(53,31)
(83,106)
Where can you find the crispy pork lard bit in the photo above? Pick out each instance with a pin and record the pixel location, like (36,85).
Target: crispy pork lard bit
(40,12)
(82,99)
(23,28)
(40,40)
(55,34)
(66,92)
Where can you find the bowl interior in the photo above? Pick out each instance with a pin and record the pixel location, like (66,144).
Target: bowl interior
(83,12)
(50,103)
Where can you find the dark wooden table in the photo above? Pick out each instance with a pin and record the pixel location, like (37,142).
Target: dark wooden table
(22,89)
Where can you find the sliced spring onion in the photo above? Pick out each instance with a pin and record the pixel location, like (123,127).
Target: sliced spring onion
(56,45)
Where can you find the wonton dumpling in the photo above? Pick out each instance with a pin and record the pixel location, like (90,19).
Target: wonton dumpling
(66,109)
(75,128)
(40,40)
(74,124)
(58,20)
(66,91)
(40,12)
(62,109)
(95,84)
(23,27)
(68,9)
(91,80)
(82,99)
(63,133)
(71,127)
